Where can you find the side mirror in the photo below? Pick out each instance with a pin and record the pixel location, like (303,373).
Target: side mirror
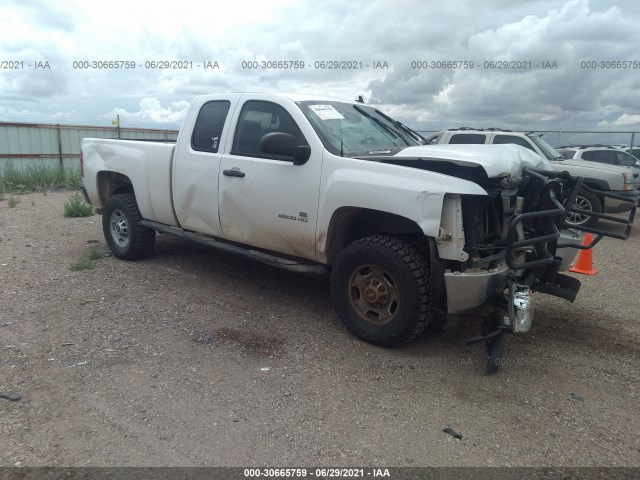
(285,145)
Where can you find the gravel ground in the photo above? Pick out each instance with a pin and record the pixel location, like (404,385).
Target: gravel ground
(199,358)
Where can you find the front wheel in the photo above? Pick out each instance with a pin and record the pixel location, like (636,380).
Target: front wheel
(127,239)
(380,286)
(584,201)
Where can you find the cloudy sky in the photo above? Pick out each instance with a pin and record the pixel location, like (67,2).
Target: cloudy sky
(411,40)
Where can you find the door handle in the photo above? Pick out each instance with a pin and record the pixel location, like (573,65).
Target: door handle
(233,173)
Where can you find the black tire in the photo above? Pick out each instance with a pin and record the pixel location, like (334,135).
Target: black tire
(126,238)
(437,323)
(585,201)
(395,278)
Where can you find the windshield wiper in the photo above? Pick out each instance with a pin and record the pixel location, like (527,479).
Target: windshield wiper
(379,122)
(412,133)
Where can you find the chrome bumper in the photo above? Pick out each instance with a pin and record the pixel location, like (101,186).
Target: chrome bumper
(468,290)
(569,253)
(471,289)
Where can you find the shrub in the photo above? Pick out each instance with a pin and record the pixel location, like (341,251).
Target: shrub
(77,207)
(38,178)
(94,254)
(82,265)
(87,261)
(13,201)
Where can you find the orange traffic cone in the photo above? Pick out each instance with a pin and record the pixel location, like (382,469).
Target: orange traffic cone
(585,260)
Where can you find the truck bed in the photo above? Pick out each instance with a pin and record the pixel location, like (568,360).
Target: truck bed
(147,164)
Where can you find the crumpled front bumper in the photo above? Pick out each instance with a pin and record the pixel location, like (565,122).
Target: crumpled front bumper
(473,288)
(510,285)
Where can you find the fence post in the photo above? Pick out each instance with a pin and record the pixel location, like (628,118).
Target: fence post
(632,138)
(60,155)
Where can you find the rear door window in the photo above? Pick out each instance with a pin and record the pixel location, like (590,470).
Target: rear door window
(209,124)
(601,156)
(502,139)
(468,138)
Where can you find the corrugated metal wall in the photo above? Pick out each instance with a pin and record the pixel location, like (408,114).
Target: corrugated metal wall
(25,144)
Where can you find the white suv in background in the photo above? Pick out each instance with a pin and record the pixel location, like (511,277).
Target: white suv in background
(601,154)
(601,176)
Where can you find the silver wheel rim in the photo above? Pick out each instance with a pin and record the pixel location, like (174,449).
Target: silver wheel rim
(579,218)
(119,228)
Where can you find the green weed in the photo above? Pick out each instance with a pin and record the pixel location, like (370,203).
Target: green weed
(77,207)
(38,178)
(94,254)
(82,265)
(13,201)
(87,262)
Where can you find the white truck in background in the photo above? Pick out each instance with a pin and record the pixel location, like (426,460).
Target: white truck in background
(621,181)
(409,233)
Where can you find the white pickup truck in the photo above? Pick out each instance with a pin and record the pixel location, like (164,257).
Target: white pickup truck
(410,233)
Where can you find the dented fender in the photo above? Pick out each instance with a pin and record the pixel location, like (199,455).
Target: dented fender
(417,195)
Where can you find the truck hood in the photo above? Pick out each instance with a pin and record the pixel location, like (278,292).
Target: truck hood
(495,160)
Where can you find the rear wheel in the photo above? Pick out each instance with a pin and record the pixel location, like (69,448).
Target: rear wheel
(126,238)
(584,201)
(380,287)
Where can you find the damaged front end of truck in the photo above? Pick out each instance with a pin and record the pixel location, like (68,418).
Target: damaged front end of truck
(517,243)
(495,252)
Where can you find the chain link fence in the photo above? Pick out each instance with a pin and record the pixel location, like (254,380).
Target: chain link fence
(575,138)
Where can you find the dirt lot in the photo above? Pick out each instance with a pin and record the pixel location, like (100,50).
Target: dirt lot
(198,358)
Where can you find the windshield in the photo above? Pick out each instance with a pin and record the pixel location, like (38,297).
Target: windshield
(627,160)
(349,130)
(547,149)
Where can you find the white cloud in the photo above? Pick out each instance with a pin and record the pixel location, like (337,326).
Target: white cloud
(564,32)
(152,111)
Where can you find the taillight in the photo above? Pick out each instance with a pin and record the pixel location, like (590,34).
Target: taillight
(81,165)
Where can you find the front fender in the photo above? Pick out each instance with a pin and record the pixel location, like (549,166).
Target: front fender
(414,194)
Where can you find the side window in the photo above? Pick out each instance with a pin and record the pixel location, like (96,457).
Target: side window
(625,159)
(467,138)
(601,156)
(258,118)
(208,127)
(512,139)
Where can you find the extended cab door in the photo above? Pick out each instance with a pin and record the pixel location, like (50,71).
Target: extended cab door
(197,165)
(265,200)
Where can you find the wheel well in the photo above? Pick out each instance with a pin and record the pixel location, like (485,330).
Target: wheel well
(598,186)
(596,183)
(349,224)
(111,183)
